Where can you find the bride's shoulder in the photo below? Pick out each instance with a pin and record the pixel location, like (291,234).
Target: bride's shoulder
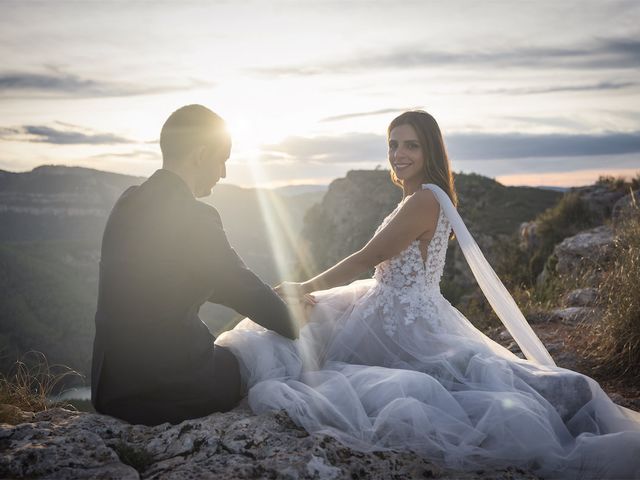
(423,199)
(422,204)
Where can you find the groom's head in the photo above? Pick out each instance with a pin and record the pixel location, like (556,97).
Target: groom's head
(195,142)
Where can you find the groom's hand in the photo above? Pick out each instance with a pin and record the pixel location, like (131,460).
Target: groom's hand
(294,294)
(289,290)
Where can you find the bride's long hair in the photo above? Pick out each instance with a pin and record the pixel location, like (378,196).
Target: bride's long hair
(437,168)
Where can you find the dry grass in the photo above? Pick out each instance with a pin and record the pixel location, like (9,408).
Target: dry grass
(616,344)
(30,384)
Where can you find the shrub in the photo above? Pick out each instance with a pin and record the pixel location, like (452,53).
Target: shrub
(570,216)
(138,458)
(616,345)
(520,269)
(613,183)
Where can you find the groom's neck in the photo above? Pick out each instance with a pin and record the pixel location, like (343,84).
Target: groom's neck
(187,177)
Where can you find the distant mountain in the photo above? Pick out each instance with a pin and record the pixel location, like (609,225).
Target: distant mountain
(557,189)
(298,189)
(72,203)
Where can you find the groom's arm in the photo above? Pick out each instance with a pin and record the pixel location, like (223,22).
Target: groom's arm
(236,286)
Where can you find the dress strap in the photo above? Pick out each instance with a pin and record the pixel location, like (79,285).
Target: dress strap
(494,290)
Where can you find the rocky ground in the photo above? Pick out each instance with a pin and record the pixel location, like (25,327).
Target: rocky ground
(61,444)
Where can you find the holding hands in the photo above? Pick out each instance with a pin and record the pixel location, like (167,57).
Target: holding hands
(295,293)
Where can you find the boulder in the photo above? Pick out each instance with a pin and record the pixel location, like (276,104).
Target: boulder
(600,199)
(61,444)
(581,297)
(588,248)
(573,315)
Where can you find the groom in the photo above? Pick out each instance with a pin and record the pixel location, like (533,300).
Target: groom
(163,255)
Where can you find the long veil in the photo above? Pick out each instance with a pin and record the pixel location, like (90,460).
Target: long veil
(497,295)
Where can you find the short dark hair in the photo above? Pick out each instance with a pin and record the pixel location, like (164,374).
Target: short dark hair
(190,127)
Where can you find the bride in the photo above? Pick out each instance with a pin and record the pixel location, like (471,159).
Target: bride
(389,363)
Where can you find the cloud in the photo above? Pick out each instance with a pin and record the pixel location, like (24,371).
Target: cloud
(383,111)
(604,53)
(133,155)
(362,147)
(44,134)
(355,147)
(556,88)
(56,83)
(550,121)
(549,165)
(488,146)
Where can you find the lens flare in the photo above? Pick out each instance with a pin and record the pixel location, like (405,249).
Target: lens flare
(285,247)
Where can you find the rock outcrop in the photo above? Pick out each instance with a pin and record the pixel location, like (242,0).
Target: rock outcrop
(573,315)
(581,297)
(626,206)
(589,247)
(600,199)
(61,444)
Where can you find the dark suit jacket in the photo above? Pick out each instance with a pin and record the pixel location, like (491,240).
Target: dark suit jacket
(163,255)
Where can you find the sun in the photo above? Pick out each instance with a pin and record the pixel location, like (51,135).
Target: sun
(261,112)
(250,134)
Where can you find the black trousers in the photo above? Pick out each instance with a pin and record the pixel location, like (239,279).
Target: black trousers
(174,407)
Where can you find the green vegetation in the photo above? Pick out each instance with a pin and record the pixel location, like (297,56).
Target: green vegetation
(491,208)
(614,344)
(617,333)
(520,268)
(570,215)
(138,458)
(47,301)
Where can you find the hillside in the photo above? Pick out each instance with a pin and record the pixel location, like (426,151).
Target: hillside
(355,205)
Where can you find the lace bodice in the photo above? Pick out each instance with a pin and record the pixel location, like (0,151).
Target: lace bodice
(410,281)
(408,268)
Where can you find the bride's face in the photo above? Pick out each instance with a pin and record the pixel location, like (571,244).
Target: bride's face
(405,153)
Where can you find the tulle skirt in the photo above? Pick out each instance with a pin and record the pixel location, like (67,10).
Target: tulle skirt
(434,385)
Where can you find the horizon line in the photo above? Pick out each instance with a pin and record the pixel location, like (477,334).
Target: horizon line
(533,180)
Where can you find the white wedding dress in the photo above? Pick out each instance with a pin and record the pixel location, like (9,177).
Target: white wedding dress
(389,363)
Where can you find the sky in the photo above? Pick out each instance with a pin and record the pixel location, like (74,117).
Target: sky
(528,92)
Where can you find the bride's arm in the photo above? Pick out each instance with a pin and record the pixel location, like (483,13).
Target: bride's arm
(416,218)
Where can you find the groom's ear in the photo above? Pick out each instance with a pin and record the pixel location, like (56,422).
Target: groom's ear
(198,155)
